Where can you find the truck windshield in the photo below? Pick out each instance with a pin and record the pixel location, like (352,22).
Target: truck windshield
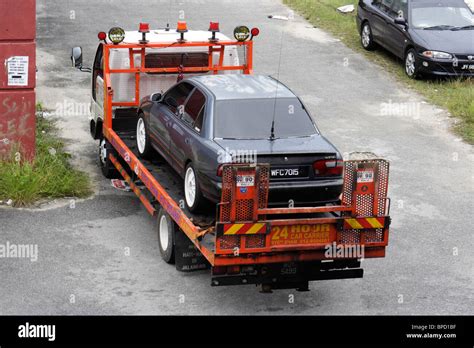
(252,119)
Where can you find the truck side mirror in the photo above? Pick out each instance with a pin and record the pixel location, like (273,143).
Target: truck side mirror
(156,97)
(76,57)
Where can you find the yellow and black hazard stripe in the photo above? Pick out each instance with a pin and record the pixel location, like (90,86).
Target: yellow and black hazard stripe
(242,229)
(364,223)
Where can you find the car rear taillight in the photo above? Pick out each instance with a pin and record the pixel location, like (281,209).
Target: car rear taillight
(220,168)
(328,167)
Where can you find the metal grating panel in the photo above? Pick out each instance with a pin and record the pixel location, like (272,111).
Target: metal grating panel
(244,210)
(365,205)
(256,241)
(263,184)
(348,237)
(374,236)
(229,242)
(227,185)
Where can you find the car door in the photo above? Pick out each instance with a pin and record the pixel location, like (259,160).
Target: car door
(396,34)
(185,129)
(378,20)
(162,117)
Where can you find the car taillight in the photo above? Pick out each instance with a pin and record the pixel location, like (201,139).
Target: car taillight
(328,167)
(220,168)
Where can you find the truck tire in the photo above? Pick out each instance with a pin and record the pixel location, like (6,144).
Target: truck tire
(166,232)
(143,138)
(106,166)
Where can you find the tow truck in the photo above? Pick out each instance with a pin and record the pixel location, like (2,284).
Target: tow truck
(243,240)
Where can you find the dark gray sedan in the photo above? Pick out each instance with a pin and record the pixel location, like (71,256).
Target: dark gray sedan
(203,122)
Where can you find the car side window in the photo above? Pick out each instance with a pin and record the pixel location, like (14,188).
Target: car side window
(194,110)
(98,70)
(400,8)
(386,6)
(176,97)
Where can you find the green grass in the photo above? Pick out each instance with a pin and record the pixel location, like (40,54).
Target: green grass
(456,95)
(49,175)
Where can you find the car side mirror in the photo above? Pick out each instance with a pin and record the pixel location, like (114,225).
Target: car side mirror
(401,21)
(156,97)
(76,57)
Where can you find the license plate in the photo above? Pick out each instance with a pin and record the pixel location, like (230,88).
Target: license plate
(365,176)
(296,172)
(245,180)
(302,234)
(468,67)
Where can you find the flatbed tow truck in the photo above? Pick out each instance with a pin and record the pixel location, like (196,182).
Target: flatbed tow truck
(245,241)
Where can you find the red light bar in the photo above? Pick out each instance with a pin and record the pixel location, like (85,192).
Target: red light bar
(255,32)
(144,28)
(214,27)
(102,36)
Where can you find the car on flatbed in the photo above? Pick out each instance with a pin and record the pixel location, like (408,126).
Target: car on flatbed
(205,121)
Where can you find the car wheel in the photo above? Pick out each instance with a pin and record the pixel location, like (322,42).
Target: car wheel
(192,192)
(106,166)
(166,230)
(411,64)
(366,37)
(143,138)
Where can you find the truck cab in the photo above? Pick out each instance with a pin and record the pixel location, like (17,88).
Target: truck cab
(151,83)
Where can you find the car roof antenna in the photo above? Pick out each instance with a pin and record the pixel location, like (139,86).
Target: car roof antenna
(277,80)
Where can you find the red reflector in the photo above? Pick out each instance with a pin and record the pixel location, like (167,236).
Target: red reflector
(214,26)
(102,36)
(328,167)
(144,28)
(255,31)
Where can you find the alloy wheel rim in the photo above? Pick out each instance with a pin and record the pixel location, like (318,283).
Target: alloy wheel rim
(366,36)
(103,151)
(141,136)
(164,233)
(410,64)
(190,186)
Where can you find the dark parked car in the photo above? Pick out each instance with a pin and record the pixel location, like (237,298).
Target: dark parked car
(432,36)
(205,121)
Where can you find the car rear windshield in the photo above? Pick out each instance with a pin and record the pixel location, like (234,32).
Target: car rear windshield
(252,119)
(441,15)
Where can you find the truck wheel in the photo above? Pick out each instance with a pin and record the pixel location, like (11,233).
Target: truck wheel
(106,166)
(166,230)
(192,192)
(143,138)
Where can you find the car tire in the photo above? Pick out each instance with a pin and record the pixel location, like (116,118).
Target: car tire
(166,232)
(366,37)
(411,64)
(106,166)
(192,192)
(143,138)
